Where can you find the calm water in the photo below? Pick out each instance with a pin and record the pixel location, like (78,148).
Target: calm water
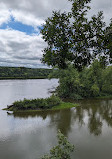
(29,136)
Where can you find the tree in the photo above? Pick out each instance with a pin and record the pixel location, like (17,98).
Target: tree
(74,41)
(92,81)
(108,41)
(62,150)
(72,38)
(56,32)
(69,83)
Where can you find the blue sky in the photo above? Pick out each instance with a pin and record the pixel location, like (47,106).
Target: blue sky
(16,25)
(21,43)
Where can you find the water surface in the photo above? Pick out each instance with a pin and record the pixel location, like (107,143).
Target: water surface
(29,136)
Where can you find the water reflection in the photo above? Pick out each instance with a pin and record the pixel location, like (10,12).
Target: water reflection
(25,115)
(98,112)
(91,113)
(62,121)
(60,118)
(30,135)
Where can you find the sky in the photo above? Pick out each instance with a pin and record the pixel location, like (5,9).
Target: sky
(21,43)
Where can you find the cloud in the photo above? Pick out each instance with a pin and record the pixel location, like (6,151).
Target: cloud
(35,12)
(4,14)
(102,5)
(27,18)
(19,48)
(32,12)
(40,8)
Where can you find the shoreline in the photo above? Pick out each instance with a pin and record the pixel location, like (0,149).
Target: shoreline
(61,106)
(104,97)
(23,78)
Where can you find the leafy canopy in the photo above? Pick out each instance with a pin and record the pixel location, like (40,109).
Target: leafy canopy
(73,38)
(94,81)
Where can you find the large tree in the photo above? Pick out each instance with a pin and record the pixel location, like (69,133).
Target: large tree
(57,33)
(73,38)
(108,41)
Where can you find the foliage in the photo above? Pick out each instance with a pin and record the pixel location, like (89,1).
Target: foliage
(69,83)
(55,33)
(107,81)
(36,104)
(95,78)
(93,81)
(62,150)
(95,90)
(108,40)
(23,73)
(73,38)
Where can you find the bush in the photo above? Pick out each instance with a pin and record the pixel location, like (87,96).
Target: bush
(69,83)
(62,150)
(95,90)
(53,101)
(41,103)
(93,81)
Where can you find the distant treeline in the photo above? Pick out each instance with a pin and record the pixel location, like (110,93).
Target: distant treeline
(23,73)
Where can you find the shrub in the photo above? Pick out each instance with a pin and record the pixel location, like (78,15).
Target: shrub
(53,101)
(37,103)
(93,81)
(95,90)
(62,150)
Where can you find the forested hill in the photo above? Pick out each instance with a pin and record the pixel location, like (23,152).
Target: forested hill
(23,73)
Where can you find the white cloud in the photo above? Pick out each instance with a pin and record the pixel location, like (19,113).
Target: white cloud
(32,12)
(29,12)
(27,18)
(102,5)
(18,48)
(41,9)
(4,14)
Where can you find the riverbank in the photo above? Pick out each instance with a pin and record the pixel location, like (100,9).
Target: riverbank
(22,78)
(104,97)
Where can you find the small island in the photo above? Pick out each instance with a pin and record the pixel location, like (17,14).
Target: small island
(51,103)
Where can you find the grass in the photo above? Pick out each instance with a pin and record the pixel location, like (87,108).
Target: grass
(64,105)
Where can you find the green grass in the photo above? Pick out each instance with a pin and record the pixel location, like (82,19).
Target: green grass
(64,105)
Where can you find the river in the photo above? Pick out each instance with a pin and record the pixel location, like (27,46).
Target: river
(29,136)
